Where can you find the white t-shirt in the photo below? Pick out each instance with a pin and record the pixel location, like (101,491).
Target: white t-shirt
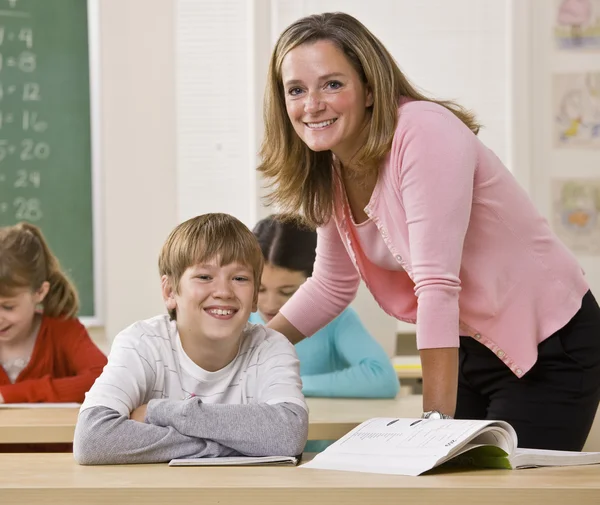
(147,361)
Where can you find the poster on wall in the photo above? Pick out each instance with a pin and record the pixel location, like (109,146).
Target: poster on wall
(577,25)
(576,110)
(576,214)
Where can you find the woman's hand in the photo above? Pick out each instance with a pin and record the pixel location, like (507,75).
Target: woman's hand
(440,379)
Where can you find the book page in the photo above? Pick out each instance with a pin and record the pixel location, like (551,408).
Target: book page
(401,437)
(391,465)
(527,458)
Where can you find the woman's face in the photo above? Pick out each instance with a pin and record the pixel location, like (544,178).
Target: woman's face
(276,287)
(325,98)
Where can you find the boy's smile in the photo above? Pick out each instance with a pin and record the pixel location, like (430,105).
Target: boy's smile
(219,312)
(213,304)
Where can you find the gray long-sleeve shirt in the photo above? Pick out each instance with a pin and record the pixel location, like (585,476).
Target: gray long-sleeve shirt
(189,429)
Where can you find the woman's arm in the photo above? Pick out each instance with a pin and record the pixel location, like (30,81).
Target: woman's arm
(282,325)
(369,372)
(438,159)
(323,296)
(440,379)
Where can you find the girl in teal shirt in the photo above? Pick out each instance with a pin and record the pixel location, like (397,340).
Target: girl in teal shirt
(340,360)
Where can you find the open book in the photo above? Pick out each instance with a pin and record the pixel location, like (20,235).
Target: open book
(236,461)
(413,446)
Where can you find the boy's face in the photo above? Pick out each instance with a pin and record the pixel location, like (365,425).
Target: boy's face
(213,302)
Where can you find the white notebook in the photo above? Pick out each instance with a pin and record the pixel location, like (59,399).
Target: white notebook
(236,461)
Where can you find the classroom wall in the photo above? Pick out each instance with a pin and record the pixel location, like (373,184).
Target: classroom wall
(216,154)
(137,155)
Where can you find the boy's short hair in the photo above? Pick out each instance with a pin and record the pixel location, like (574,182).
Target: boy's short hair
(205,237)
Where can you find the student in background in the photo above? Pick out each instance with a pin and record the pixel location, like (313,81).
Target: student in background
(340,360)
(46,354)
(200,381)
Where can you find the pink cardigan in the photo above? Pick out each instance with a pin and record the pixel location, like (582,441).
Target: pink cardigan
(478,258)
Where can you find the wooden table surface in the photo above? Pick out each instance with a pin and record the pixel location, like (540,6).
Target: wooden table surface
(24,426)
(44,479)
(330,419)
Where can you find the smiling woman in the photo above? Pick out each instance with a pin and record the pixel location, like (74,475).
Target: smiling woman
(328,110)
(407,198)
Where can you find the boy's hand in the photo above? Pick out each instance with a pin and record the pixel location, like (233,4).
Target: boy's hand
(139,414)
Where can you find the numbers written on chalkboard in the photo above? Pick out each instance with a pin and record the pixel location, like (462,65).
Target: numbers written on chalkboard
(18,113)
(30,121)
(25,62)
(29,93)
(24,35)
(28,179)
(28,150)
(28,209)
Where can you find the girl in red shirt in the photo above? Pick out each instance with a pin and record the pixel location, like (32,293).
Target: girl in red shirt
(46,354)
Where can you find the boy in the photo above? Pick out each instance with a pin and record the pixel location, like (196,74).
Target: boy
(202,381)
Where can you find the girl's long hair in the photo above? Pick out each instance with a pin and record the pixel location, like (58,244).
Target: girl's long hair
(26,261)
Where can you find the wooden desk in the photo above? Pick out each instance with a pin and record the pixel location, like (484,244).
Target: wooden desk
(330,419)
(25,426)
(45,479)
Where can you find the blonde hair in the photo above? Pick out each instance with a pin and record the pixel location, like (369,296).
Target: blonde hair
(301,180)
(206,237)
(26,261)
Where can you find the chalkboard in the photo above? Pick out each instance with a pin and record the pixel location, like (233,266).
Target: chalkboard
(45,132)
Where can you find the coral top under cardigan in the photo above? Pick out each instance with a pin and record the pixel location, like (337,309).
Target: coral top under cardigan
(477,257)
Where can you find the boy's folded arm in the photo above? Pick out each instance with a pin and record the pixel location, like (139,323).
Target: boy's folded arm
(259,429)
(103,436)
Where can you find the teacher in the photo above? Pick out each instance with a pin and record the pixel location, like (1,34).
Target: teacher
(407,198)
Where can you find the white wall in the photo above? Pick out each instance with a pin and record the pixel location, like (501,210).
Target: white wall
(215,108)
(137,154)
